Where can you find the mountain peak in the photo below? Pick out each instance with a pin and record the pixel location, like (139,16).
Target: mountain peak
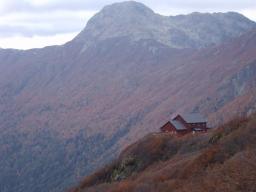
(138,22)
(121,14)
(125,19)
(131,7)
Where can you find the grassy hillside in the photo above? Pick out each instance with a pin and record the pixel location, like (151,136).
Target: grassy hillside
(224,159)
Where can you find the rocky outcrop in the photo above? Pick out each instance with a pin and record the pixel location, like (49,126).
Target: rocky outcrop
(241,84)
(137,22)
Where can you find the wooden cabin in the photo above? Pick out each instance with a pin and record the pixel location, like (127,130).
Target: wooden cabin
(186,123)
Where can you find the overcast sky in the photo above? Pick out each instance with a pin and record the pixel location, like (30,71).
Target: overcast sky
(28,24)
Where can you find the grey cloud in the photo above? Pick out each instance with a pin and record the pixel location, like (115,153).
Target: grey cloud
(22,5)
(14,6)
(204,4)
(25,6)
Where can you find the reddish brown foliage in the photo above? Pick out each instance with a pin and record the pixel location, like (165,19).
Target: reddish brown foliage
(109,95)
(226,162)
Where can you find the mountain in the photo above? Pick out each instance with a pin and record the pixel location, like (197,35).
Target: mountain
(222,160)
(66,110)
(138,22)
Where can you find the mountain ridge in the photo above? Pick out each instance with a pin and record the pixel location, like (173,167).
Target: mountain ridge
(136,21)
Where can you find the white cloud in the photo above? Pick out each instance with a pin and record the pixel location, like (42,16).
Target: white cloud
(39,2)
(44,24)
(250,13)
(19,42)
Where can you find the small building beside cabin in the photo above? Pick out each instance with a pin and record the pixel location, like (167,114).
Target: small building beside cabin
(186,123)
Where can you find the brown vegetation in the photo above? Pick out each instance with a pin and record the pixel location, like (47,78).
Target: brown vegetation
(65,112)
(221,160)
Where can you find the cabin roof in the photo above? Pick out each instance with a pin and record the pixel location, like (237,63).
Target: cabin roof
(194,118)
(178,125)
(198,129)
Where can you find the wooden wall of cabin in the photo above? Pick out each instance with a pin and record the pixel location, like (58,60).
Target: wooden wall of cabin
(168,127)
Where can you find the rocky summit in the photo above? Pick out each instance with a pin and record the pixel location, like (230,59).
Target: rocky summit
(138,22)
